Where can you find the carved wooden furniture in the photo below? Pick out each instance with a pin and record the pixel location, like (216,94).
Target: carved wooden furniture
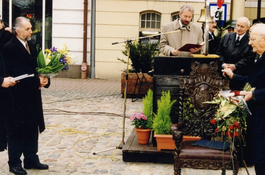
(202,84)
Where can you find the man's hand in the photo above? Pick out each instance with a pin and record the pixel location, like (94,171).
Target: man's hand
(228,72)
(195,50)
(175,52)
(231,66)
(43,81)
(248,95)
(8,81)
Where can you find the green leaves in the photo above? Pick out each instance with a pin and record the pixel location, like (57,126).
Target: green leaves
(162,120)
(50,63)
(148,108)
(41,60)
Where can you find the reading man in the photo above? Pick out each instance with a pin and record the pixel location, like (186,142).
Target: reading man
(188,33)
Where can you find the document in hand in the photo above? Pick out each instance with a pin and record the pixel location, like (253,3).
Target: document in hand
(187,47)
(22,77)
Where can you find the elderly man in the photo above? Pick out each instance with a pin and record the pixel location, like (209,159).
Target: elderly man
(255,99)
(234,51)
(188,33)
(26,119)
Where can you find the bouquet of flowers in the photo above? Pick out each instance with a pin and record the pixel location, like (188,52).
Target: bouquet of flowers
(139,120)
(231,113)
(53,60)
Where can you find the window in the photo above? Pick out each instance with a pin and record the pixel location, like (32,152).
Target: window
(175,16)
(31,9)
(150,20)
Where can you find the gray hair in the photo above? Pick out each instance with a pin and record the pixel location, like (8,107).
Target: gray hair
(17,24)
(260,27)
(188,7)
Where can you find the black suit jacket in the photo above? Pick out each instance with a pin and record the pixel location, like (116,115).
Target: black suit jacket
(213,44)
(26,117)
(240,54)
(257,108)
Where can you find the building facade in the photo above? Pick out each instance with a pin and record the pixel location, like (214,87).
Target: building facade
(115,21)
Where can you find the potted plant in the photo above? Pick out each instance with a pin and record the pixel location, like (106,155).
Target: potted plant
(143,121)
(162,122)
(141,58)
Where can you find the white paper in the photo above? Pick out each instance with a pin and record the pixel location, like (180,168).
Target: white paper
(22,77)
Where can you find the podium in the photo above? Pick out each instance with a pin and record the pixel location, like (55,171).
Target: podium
(167,71)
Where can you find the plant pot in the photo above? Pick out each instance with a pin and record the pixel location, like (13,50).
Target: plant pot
(132,78)
(143,135)
(164,142)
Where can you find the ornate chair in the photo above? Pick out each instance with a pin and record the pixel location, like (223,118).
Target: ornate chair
(203,83)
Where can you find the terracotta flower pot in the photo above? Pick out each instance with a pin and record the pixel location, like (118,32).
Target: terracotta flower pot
(164,142)
(143,135)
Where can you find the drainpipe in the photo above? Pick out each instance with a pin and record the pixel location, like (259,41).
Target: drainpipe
(84,63)
(92,47)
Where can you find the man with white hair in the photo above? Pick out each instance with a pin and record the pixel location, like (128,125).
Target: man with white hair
(188,33)
(234,51)
(255,99)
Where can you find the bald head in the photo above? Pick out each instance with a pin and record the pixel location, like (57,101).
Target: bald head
(242,25)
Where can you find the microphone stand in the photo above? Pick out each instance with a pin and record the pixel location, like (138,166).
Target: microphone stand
(129,43)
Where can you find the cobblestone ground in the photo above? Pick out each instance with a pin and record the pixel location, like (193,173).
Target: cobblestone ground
(85,117)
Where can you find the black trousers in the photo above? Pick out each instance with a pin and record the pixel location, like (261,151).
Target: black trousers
(27,147)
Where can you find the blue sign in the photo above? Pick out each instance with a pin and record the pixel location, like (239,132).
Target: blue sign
(216,11)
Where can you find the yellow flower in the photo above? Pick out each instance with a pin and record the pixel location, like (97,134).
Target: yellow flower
(48,50)
(63,50)
(69,59)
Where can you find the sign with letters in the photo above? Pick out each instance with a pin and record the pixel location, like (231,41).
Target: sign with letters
(216,11)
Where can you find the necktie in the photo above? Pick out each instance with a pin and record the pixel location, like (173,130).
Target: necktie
(237,40)
(212,36)
(27,47)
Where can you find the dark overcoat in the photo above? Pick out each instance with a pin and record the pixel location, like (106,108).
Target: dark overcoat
(257,108)
(26,118)
(240,53)
(4,100)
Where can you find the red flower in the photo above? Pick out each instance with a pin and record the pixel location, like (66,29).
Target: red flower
(229,134)
(236,125)
(213,121)
(216,130)
(236,134)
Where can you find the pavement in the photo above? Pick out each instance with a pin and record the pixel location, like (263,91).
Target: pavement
(84,117)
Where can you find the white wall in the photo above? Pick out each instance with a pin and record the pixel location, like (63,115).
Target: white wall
(67,27)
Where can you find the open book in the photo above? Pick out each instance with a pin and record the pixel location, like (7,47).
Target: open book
(188,46)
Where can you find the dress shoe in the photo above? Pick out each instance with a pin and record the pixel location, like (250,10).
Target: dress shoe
(17,170)
(38,166)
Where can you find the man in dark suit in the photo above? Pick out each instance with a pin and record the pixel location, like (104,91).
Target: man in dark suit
(213,40)
(255,99)
(26,118)
(235,53)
